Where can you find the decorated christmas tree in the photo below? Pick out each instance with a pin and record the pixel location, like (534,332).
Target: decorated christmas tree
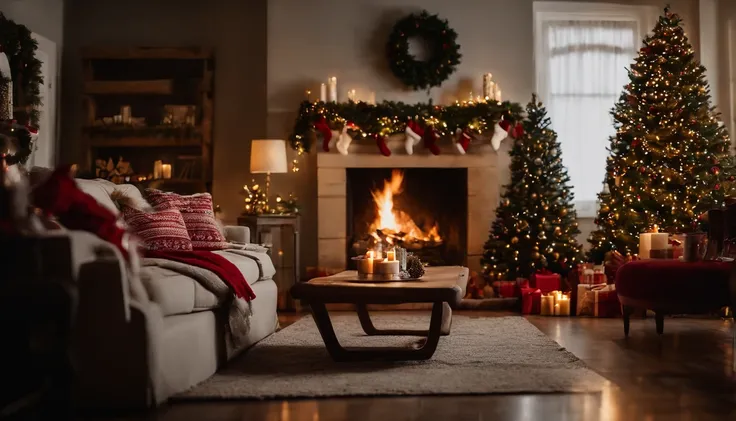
(535,224)
(667,158)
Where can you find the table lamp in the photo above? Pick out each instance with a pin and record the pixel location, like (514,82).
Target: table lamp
(268,156)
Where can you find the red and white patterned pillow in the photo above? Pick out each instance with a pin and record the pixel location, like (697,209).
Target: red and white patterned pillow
(161,230)
(198,214)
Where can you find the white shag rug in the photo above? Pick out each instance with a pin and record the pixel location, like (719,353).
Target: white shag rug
(489,355)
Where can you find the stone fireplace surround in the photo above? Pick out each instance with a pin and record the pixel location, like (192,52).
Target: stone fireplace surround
(483,193)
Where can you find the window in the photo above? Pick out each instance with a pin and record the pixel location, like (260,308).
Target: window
(582,53)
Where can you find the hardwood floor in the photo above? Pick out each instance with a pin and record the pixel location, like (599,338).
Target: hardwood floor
(686,374)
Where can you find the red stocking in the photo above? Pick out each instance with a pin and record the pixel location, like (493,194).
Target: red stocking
(381,142)
(517,131)
(463,141)
(322,127)
(76,210)
(430,141)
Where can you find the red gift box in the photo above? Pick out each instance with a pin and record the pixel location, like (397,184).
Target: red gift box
(546,281)
(531,301)
(510,289)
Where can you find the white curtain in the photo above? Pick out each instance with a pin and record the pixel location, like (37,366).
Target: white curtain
(585,72)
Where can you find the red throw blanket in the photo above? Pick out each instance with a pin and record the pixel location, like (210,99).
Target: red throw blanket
(223,268)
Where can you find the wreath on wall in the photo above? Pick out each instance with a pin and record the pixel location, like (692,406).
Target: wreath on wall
(17,43)
(443,55)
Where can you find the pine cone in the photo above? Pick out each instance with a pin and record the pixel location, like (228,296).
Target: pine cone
(414,266)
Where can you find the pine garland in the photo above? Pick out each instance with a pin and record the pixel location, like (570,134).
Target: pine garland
(388,118)
(20,47)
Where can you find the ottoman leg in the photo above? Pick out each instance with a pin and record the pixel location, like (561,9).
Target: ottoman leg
(627,311)
(659,320)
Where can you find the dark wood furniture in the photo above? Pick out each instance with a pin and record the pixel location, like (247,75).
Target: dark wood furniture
(442,286)
(281,235)
(152,82)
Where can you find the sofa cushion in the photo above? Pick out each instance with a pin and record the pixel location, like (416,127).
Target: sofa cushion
(100,190)
(199,216)
(162,230)
(176,293)
(254,265)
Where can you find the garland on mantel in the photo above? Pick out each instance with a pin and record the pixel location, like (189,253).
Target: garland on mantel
(343,122)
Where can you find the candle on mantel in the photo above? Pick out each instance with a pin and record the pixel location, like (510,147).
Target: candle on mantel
(332,89)
(372,98)
(166,170)
(323,92)
(352,95)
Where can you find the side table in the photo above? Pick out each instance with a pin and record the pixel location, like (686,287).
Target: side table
(280,233)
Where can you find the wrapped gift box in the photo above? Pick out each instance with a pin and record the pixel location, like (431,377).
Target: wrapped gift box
(582,289)
(546,281)
(510,289)
(531,300)
(600,302)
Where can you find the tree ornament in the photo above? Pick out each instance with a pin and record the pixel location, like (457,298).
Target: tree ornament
(514,240)
(444,51)
(537,161)
(414,134)
(499,134)
(715,170)
(462,140)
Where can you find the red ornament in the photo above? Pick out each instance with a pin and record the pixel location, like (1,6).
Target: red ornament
(715,170)
(717,186)
(635,143)
(642,170)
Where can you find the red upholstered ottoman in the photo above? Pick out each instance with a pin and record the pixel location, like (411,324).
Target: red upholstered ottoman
(673,287)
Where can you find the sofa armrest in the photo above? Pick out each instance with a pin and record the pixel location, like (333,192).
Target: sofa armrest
(237,234)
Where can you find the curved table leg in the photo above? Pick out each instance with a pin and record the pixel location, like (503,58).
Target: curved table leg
(370,329)
(338,353)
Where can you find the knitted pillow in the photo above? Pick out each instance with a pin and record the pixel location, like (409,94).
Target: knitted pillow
(198,214)
(162,230)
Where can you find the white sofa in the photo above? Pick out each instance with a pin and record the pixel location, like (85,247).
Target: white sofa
(132,352)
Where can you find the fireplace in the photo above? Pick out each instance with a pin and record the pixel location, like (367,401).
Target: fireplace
(456,192)
(424,210)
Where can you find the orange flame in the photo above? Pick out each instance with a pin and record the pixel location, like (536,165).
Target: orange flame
(391,221)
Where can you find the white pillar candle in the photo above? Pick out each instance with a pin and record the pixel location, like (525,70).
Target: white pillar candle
(386,267)
(548,303)
(332,89)
(498,94)
(487,86)
(660,240)
(563,306)
(166,170)
(352,95)
(645,244)
(323,92)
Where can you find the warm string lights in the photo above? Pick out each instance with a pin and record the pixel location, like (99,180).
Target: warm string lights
(386,118)
(669,159)
(535,224)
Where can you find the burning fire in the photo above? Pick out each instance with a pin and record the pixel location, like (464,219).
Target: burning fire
(393,223)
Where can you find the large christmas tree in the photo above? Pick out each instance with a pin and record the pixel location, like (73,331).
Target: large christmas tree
(535,224)
(666,159)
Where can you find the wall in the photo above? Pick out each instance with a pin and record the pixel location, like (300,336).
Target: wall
(311,40)
(236,30)
(44,17)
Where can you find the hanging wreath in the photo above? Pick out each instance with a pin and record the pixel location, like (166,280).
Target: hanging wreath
(18,136)
(20,47)
(443,51)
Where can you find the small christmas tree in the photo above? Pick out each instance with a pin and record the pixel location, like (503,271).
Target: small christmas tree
(668,155)
(535,224)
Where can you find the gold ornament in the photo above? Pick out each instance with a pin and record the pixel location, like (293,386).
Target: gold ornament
(514,240)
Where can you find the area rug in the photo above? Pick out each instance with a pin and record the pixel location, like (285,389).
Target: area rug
(490,355)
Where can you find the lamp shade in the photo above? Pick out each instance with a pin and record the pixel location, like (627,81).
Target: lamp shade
(268,156)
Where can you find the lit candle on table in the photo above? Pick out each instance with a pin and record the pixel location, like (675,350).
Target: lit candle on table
(365,265)
(391,255)
(388,268)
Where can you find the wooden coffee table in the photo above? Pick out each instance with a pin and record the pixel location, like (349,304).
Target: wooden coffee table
(443,286)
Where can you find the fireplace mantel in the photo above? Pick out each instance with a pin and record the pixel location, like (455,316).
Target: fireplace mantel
(332,190)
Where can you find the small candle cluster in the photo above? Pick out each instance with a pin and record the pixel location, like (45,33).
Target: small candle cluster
(555,304)
(161,170)
(374,266)
(491,91)
(328,93)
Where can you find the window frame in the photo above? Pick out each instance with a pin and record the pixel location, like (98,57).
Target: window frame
(645,17)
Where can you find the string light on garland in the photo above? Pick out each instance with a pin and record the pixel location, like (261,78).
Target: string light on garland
(669,159)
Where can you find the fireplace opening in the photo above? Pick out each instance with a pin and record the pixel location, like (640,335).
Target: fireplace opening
(424,210)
